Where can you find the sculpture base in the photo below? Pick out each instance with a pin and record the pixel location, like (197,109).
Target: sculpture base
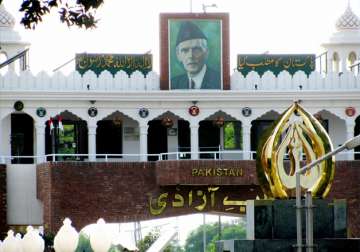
(271,226)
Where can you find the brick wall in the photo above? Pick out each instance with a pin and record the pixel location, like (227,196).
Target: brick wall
(346,185)
(120,192)
(3,224)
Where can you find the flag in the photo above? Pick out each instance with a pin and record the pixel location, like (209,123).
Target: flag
(61,127)
(51,124)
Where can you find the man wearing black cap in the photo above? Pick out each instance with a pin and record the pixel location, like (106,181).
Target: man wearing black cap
(192,51)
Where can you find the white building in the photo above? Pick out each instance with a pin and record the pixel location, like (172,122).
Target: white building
(120,128)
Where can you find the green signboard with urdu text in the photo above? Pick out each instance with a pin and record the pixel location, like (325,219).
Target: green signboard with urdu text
(275,63)
(113,63)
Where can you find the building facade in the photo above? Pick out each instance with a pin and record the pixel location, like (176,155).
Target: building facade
(123,118)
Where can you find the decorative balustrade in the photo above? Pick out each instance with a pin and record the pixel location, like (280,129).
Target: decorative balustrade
(299,81)
(75,82)
(137,81)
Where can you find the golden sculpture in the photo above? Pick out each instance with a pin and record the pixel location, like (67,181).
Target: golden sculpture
(296,139)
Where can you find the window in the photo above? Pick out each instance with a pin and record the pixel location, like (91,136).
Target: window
(232,135)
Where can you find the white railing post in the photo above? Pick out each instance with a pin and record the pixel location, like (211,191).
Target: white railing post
(143,141)
(194,139)
(92,141)
(40,142)
(246,127)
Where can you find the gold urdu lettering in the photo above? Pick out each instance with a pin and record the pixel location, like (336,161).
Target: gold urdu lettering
(179,201)
(147,62)
(227,202)
(190,198)
(161,204)
(212,191)
(202,206)
(241,63)
(83,62)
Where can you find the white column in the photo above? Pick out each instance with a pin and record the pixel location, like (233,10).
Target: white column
(246,130)
(350,128)
(329,62)
(194,140)
(143,141)
(40,142)
(92,142)
(344,67)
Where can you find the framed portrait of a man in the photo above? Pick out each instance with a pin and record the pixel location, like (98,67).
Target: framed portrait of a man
(194,51)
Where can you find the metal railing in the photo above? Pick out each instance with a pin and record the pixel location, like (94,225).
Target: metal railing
(355,68)
(126,157)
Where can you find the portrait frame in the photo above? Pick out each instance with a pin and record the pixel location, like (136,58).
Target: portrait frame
(167,47)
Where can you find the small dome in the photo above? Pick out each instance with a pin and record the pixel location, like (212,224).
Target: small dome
(6,19)
(348,20)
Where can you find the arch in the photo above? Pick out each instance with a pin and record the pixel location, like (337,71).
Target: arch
(168,132)
(336,62)
(66,133)
(168,113)
(118,112)
(117,133)
(270,114)
(351,59)
(322,111)
(259,125)
(225,131)
(214,115)
(336,128)
(65,114)
(22,137)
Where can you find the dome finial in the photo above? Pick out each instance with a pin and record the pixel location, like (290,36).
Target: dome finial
(348,20)
(6,19)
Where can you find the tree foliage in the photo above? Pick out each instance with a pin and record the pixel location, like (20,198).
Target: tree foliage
(194,242)
(80,13)
(144,244)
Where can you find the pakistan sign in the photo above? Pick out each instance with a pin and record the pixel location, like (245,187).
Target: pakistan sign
(113,63)
(275,63)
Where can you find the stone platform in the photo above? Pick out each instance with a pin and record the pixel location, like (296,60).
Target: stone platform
(271,226)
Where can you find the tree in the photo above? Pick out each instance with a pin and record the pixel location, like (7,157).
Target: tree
(194,242)
(150,238)
(81,13)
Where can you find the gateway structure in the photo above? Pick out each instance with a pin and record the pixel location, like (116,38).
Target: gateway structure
(137,116)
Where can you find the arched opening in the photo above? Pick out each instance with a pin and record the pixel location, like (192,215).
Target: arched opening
(218,132)
(336,62)
(184,138)
(68,136)
(259,126)
(335,127)
(22,138)
(351,61)
(356,133)
(116,135)
(168,133)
